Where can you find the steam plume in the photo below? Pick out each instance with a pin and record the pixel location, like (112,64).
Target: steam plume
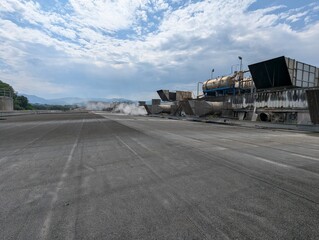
(129,109)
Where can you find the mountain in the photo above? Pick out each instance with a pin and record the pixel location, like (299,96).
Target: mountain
(70,100)
(35,99)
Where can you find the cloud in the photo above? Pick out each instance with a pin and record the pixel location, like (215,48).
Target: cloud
(23,84)
(126,47)
(108,15)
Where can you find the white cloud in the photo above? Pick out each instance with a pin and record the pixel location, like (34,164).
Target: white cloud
(31,85)
(107,15)
(296,17)
(181,43)
(6,6)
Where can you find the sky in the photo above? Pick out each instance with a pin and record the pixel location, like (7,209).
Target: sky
(131,48)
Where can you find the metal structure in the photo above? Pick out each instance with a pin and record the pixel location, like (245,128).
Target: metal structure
(280,90)
(283,72)
(167,96)
(313,103)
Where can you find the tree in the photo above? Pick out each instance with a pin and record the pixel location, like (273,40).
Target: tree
(19,102)
(22,103)
(7,87)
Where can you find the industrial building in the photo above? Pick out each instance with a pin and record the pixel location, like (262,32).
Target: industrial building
(279,90)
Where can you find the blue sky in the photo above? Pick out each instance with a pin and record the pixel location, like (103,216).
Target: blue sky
(130,49)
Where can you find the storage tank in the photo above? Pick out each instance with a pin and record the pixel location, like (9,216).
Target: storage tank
(6,100)
(222,82)
(6,103)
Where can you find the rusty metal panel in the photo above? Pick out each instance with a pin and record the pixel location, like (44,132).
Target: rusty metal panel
(313,104)
(183,95)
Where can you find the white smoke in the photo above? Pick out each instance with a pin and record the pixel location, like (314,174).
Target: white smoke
(129,109)
(98,106)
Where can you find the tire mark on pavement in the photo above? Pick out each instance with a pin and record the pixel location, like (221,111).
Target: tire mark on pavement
(48,219)
(252,173)
(139,157)
(24,147)
(26,129)
(304,156)
(196,210)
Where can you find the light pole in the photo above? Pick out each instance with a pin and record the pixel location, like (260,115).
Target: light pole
(241,63)
(241,74)
(212,73)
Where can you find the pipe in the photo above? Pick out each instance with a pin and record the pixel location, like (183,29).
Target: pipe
(264,117)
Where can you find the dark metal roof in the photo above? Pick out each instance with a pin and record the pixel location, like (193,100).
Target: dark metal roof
(166,95)
(271,73)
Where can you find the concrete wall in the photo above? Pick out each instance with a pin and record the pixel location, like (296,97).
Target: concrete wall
(282,99)
(6,104)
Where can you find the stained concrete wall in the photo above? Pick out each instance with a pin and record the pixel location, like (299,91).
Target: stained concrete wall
(6,104)
(280,99)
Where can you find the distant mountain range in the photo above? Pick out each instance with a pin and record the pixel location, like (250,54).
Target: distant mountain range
(71,100)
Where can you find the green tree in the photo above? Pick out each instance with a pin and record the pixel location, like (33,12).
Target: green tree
(22,103)
(19,102)
(6,87)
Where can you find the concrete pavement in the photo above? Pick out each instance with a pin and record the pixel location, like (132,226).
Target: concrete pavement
(105,176)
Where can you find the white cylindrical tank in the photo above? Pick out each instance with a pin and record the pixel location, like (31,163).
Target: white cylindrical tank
(226,81)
